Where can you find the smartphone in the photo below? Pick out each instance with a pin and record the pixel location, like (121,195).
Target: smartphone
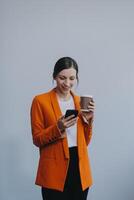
(71,112)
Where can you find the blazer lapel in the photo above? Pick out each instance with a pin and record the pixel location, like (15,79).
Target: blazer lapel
(55,104)
(58,114)
(76,101)
(79,125)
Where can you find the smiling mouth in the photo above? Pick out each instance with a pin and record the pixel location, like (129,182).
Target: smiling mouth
(66,88)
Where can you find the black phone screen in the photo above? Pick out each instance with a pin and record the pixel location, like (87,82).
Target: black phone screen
(71,112)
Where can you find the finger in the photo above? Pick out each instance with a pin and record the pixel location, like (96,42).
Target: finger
(91,107)
(72,120)
(91,103)
(91,110)
(70,123)
(88,112)
(69,117)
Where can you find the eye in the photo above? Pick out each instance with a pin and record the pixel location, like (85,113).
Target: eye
(62,78)
(72,78)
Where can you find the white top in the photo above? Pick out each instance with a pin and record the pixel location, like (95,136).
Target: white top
(71,131)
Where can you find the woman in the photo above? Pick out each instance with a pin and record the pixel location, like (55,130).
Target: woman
(64,169)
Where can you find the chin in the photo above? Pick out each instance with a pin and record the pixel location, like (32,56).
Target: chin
(66,91)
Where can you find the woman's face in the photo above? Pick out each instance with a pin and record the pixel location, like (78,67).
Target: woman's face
(65,80)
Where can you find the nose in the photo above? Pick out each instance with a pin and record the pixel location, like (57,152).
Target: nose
(67,82)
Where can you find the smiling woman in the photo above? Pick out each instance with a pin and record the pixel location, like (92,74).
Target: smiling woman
(64,168)
(65,74)
(65,80)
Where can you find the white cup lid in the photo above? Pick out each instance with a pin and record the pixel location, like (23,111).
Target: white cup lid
(87,95)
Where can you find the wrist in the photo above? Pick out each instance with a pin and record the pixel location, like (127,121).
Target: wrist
(90,121)
(60,127)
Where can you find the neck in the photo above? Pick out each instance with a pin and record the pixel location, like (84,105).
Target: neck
(61,95)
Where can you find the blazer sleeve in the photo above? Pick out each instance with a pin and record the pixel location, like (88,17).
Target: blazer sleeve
(41,135)
(88,132)
(88,129)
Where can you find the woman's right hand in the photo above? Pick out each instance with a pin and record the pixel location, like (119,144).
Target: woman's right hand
(67,122)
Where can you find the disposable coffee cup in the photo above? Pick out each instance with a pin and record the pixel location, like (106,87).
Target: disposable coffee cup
(84,102)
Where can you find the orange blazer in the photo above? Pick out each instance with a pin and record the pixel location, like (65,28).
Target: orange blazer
(54,152)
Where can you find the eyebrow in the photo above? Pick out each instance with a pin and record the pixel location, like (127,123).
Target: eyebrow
(65,76)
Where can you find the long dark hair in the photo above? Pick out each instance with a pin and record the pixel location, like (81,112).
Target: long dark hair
(65,63)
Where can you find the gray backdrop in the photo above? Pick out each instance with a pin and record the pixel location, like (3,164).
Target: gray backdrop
(99,34)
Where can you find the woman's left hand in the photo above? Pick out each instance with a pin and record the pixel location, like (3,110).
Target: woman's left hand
(90,113)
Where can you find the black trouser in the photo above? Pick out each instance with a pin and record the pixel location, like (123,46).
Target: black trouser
(72,188)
